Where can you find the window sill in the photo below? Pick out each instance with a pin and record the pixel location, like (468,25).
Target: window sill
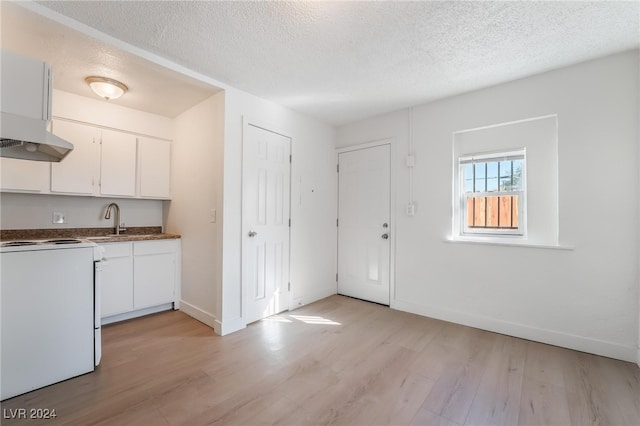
(493,242)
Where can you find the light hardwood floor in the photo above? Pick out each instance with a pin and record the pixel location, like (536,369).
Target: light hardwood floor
(337,361)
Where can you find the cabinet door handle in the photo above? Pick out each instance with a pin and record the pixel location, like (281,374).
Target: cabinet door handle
(252,234)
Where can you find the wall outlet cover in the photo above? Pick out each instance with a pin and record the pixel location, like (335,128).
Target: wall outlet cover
(58,217)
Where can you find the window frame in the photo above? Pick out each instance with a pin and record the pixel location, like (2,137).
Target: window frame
(507,155)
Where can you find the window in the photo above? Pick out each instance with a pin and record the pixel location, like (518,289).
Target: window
(492,193)
(528,149)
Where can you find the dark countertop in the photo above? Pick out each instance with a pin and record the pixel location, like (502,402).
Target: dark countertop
(128,237)
(97,235)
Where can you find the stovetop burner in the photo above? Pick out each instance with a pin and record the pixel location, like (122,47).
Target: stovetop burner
(19,243)
(63,241)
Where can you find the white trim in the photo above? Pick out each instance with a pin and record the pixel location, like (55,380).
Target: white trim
(552,337)
(273,128)
(199,314)
(366,145)
(486,157)
(507,123)
(392,204)
(267,125)
(229,326)
(311,298)
(135,314)
(512,243)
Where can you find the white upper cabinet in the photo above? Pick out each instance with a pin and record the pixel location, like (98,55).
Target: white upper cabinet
(118,164)
(26,86)
(23,175)
(78,173)
(154,167)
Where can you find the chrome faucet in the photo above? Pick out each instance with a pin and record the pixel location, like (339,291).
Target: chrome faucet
(116,217)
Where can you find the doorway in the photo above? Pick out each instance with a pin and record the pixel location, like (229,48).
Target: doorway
(364,238)
(266,164)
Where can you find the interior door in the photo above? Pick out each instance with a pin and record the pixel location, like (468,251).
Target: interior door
(265,222)
(363,223)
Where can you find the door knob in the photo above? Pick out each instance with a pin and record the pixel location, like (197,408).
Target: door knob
(252,234)
(385,225)
(385,236)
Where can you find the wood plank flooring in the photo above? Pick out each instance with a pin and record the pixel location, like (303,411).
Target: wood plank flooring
(338,361)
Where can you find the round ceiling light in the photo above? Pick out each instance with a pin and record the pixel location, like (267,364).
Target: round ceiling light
(106,88)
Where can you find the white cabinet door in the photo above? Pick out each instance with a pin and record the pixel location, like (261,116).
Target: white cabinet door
(24,175)
(117,279)
(118,164)
(78,172)
(154,272)
(154,167)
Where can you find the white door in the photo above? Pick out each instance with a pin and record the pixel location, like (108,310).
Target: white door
(265,222)
(363,223)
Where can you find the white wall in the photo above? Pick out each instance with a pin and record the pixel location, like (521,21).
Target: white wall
(313,205)
(196,188)
(35,211)
(102,113)
(585,298)
(29,211)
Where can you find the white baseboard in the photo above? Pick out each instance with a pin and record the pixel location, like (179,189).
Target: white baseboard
(229,326)
(199,314)
(135,314)
(556,338)
(299,302)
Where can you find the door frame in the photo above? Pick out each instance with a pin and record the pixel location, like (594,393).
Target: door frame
(392,207)
(273,128)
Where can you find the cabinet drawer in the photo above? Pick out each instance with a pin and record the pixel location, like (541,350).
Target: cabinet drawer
(154,247)
(113,250)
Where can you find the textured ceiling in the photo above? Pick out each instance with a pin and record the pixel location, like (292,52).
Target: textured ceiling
(342,61)
(74,56)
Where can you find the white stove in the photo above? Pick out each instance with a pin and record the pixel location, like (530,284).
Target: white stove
(56,243)
(50,313)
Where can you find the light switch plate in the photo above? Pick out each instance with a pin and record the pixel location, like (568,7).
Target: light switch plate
(411,209)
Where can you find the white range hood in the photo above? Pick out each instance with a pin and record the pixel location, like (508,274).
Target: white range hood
(25,93)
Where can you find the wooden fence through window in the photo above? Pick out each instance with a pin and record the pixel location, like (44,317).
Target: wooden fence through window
(499,212)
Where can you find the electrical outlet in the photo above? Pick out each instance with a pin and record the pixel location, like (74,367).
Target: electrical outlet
(58,218)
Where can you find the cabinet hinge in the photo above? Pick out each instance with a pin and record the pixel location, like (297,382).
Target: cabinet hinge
(289,223)
(338,168)
(290,158)
(336,277)
(337,222)
(289,286)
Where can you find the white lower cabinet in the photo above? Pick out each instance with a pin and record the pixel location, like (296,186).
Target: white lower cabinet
(117,279)
(139,278)
(154,273)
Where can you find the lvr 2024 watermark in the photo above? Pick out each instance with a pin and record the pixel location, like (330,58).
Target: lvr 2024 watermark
(31,413)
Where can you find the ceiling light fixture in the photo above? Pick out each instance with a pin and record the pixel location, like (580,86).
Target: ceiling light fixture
(106,88)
